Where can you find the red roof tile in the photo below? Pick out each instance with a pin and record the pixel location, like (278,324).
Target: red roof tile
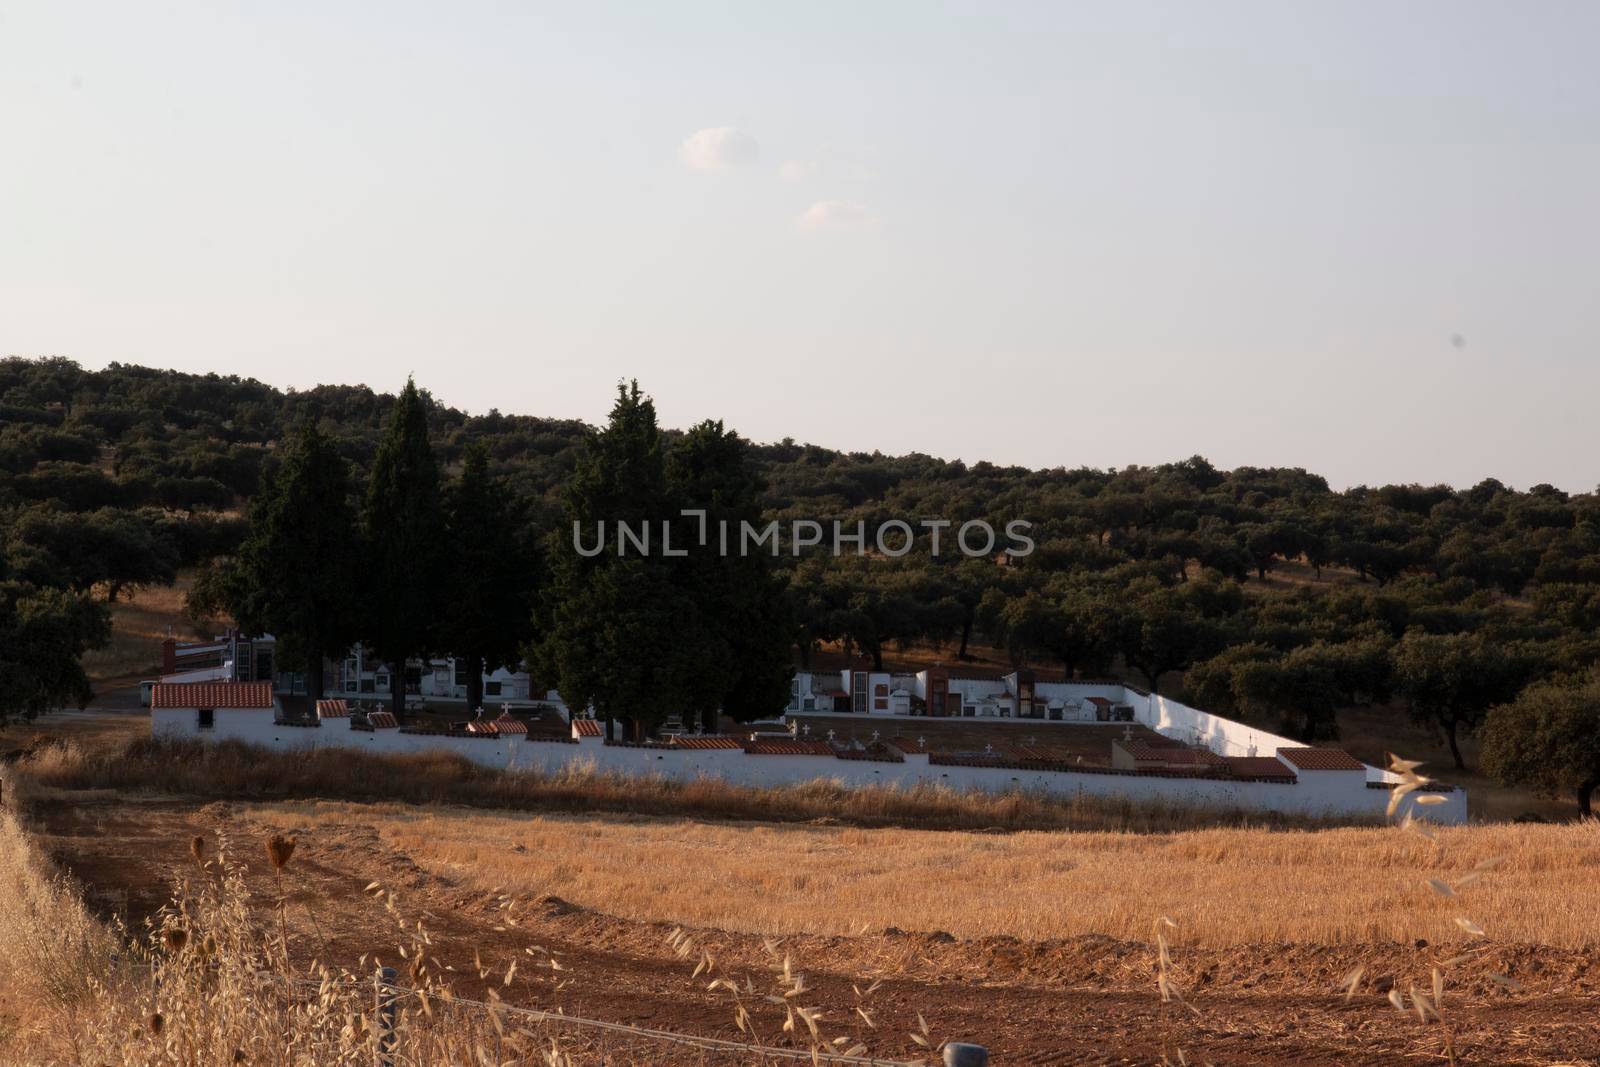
(588,728)
(773,747)
(381,720)
(333,709)
(1321,759)
(1259,767)
(1171,754)
(505,724)
(715,741)
(211,695)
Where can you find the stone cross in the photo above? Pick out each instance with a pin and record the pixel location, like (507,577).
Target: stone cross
(806,729)
(988,748)
(830,735)
(922,742)
(874,735)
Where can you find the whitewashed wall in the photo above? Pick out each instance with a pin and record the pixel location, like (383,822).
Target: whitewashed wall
(1339,794)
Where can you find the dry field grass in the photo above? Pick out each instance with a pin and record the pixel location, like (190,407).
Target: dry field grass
(1039,944)
(1223,887)
(140,620)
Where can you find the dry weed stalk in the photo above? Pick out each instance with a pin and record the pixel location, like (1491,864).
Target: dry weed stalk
(210,984)
(787,987)
(1428,1001)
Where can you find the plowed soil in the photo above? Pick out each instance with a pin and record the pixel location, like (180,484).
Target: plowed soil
(1084,1000)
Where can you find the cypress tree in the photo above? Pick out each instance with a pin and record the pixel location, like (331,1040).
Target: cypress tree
(615,626)
(488,612)
(294,574)
(404,543)
(742,626)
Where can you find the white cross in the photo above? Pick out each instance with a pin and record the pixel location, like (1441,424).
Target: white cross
(505,709)
(830,735)
(806,729)
(874,735)
(922,742)
(988,748)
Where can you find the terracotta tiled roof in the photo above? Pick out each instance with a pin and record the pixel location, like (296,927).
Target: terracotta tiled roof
(211,695)
(505,724)
(1172,754)
(1321,759)
(773,747)
(715,741)
(333,709)
(588,728)
(1259,767)
(381,720)
(1099,701)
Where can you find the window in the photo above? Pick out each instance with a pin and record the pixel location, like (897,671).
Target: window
(368,685)
(858,687)
(969,711)
(383,683)
(461,673)
(491,689)
(263,665)
(352,686)
(208,719)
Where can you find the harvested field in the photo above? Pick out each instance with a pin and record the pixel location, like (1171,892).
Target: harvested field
(1223,887)
(1056,998)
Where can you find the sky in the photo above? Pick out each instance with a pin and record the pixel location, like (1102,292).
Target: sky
(1357,237)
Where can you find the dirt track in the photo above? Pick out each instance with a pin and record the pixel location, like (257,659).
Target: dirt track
(1079,1001)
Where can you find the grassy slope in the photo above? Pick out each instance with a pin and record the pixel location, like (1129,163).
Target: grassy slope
(140,621)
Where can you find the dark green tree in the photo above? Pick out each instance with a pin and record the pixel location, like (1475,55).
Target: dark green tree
(1548,738)
(295,575)
(43,635)
(488,614)
(404,543)
(741,613)
(1450,681)
(615,629)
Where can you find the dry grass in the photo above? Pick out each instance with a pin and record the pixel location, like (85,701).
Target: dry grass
(140,620)
(210,983)
(231,770)
(52,948)
(1224,887)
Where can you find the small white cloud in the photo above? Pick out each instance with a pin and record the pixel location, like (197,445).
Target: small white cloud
(718,148)
(797,170)
(834,215)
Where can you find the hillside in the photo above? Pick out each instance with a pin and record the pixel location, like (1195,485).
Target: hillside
(1261,591)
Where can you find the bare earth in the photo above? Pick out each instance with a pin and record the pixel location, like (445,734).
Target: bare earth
(1083,1000)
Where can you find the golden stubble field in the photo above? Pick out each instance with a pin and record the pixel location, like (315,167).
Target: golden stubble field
(1532,884)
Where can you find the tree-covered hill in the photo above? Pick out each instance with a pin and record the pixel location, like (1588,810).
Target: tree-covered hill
(114,478)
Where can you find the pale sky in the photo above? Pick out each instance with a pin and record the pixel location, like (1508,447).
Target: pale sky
(1358,237)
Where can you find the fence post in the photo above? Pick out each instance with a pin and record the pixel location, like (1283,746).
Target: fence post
(957,1054)
(383,1015)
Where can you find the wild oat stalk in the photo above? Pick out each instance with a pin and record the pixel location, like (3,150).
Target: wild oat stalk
(1428,1002)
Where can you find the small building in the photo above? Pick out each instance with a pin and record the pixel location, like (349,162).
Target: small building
(199,708)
